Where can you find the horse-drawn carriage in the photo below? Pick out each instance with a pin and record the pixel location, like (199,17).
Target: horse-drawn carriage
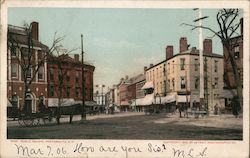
(46,115)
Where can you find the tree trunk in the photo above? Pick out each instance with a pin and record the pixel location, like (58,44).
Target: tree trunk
(236,74)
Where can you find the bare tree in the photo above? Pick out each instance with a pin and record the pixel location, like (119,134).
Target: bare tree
(228,28)
(23,47)
(59,58)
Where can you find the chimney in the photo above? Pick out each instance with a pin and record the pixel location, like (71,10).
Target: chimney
(126,77)
(241,26)
(183,44)
(35,30)
(76,57)
(145,68)
(169,52)
(193,50)
(151,65)
(207,46)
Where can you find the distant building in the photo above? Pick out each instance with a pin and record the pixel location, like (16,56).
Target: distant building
(123,93)
(157,75)
(70,70)
(15,76)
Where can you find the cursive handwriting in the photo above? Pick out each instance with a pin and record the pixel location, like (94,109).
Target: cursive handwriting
(79,148)
(84,150)
(26,151)
(191,153)
(128,150)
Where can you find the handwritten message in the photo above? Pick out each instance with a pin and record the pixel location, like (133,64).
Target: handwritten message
(80,149)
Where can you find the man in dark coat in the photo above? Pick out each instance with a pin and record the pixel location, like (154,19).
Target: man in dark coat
(235,106)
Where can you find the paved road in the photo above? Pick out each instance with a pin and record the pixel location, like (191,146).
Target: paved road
(132,126)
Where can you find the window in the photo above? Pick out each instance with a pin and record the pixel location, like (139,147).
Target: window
(68,79)
(216,79)
(205,82)
(77,76)
(51,74)
(24,53)
(196,66)
(173,66)
(157,72)
(196,84)
(78,91)
(182,63)
(236,52)
(14,70)
(41,73)
(173,83)
(29,73)
(168,84)
(51,91)
(168,68)
(13,51)
(183,83)
(215,66)
(205,64)
(68,91)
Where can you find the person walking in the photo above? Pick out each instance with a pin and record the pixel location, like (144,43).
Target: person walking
(235,106)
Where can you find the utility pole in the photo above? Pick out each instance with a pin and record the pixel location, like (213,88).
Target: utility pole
(201,61)
(83,116)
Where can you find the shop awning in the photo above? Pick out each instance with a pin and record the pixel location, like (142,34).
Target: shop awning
(147,100)
(168,99)
(148,85)
(53,102)
(183,98)
(124,103)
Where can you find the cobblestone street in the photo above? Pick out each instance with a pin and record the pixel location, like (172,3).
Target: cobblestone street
(135,126)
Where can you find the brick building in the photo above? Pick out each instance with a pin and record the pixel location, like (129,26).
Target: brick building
(123,94)
(178,75)
(237,52)
(68,70)
(24,50)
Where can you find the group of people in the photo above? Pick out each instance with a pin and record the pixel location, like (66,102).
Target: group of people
(182,108)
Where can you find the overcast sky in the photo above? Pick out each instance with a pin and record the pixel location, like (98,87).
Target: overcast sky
(117,42)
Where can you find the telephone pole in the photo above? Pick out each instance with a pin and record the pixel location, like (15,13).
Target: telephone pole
(201,61)
(83,116)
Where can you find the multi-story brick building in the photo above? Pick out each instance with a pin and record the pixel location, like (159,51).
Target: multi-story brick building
(25,50)
(183,76)
(43,76)
(68,70)
(123,94)
(178,75)
(237,52)
(156,74)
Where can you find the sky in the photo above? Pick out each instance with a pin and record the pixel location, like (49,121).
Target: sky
(118,42)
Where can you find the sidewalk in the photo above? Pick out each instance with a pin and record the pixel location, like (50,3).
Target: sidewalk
(65,118)
(217,121)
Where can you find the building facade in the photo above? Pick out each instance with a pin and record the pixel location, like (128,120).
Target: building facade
(65,79)
(179,75)
(157,75)
(26,63)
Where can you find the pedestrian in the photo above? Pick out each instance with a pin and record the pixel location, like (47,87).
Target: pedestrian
(235,106)
(216,109)
(41,107)
(180,110)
